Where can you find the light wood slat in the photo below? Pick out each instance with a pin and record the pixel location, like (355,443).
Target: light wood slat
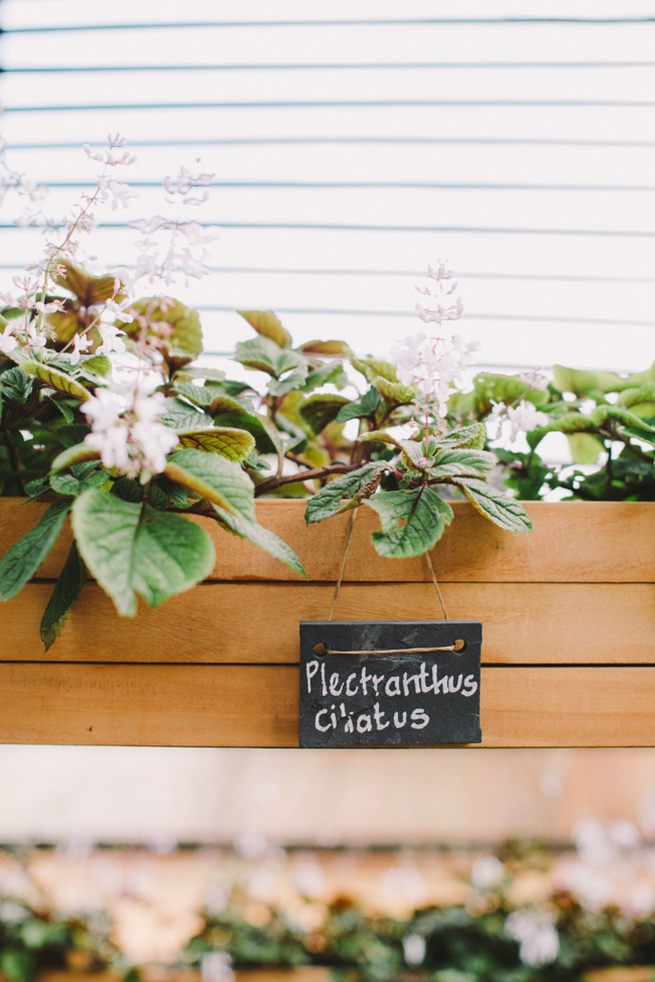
(571,541)
(258,622)
(170,705)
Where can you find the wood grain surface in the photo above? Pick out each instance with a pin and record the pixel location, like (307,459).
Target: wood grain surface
(570,542)
(568,616)
(523,623)
(257,705)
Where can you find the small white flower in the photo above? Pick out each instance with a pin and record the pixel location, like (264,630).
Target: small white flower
(216,966)
(80,344)
(7,340)
(537,936)
(119,310)
(414,949)
(112,342)
(127,431)
(487,872)
(521,419)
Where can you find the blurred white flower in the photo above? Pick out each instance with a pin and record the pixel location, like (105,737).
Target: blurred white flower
(520,419)
(80,344)
(7,340)
(414,949)
(432,365)
(487,872)
(112,342)
(216,966)
(537,936)
(127,431)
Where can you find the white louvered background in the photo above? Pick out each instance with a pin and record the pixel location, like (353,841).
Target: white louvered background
(522,150)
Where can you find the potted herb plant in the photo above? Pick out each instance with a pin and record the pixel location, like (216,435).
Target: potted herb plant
(148,474)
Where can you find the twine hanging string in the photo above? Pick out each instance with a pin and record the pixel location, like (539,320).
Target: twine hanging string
(337,590)
(337,586)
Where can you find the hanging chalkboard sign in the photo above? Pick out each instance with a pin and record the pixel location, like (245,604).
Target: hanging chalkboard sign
(389,683)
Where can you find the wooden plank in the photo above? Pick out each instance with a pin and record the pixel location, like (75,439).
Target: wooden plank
(251,706)
(571,541)
(258,622)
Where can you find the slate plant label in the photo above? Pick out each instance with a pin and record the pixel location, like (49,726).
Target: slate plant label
(391,694)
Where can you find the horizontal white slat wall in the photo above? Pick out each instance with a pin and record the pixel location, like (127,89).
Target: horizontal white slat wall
(355,141)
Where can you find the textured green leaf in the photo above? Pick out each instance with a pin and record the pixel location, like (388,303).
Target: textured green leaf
(22,561)
(472,436)
(65,593)
(213,477)
(268,325)
(96,365)
(322,408)
(56,379)
(583,383)
(359,408)
(333,374)
(180,415)
(134,550)
(354,486)
(74,455)
(326,348)
(88,289)
(265,434)
(461,463)
(373,368)
(16,386)
(585,447)
(496,506)
(261,537)
(394,392)
(232,443)
(181,343)
(412,521)
(261,353)
(294,379)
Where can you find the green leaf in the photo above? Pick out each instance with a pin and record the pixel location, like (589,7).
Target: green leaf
(66,591)
(583,383)
(496,506)
(268,325)
(16,386)
(213,477)
(294,379)
(56,379)
(235,444)
(135,550)
(22,561)
(261,353)
(88,289)
(359,408)
(354,486)
(326,348)
(372,368)
(322,408)
(182,341)
(412,521)
(332,374)
(394,392)
(472,436)
(585,447)
(221,403)
(461,463)
(266,437)
(180,415)
(74,455)
(489,387)
(96,365)
(261,537)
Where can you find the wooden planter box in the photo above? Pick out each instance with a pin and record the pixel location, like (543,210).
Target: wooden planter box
(568,616)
